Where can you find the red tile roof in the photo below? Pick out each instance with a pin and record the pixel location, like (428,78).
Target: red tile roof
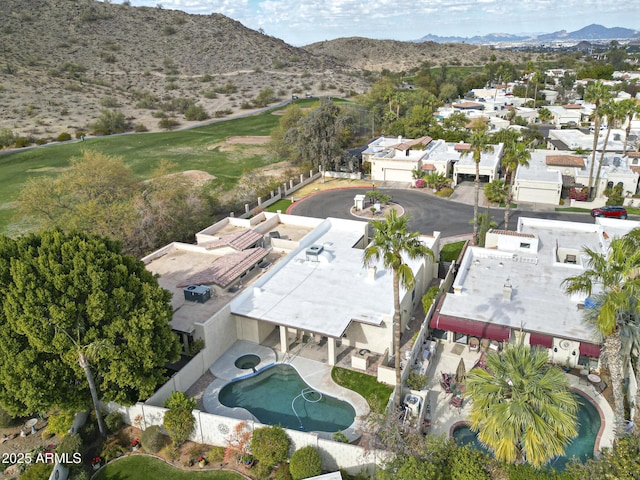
(462,146)
(572,106)
(635,168)
(428,167)
(465,105)
(565,161)
(634,154)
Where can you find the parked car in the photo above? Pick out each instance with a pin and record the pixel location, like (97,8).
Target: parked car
(611,211)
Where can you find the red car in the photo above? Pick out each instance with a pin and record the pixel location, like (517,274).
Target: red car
(611,211)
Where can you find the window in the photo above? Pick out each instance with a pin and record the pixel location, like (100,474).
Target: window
(525,245)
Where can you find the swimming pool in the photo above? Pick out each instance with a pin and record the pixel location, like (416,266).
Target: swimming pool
(277,395)
(582,446)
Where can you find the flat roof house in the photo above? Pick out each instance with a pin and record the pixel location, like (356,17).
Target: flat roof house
(514,284)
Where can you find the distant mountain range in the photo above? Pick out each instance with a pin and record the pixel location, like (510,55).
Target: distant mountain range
(591,32)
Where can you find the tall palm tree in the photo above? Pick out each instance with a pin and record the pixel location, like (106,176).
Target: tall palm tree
(614,112)
(479,145)
(631,108)
(515,154)
(392,243)
(521,406)
(616,277)
(596,93)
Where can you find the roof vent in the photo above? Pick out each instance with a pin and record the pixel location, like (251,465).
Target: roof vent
(507,290)
(313,252)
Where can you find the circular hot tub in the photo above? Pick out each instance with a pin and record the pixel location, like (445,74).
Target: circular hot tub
(247,362)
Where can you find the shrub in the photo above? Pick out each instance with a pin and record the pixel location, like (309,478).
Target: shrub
(70,444)
(171,452)
(42,141)
(179,420)
(6,419)
(340,437)
(216,455)
(112,449)
(109,102)
(80,134)
(270,445)
(168,123)
(282,472)
(22,142)
(420,183)
(6,137)
(417,381)
(140,128)
(37,471)
(196,113)
(79,475)
(152,439)
(429,297)
(305,463)
(468,463)
(445,192)
(109,122)
(89,432)
(113,421)
(63,137)
(60,423)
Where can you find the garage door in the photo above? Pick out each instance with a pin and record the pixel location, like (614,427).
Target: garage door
(391,175)
(537,195)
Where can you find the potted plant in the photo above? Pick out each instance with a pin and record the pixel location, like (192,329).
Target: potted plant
(135,445)
(202,462)
(96,462)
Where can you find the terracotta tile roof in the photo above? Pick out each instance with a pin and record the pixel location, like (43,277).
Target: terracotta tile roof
(634,154)
(225,270)
(412,143)
(572,106)
(428,167)
(464,105)
(635,168)
(237,240)
(565,161)
(462,146)
(512,234)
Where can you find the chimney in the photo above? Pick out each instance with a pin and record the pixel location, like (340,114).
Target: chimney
(507,290)
(371,273)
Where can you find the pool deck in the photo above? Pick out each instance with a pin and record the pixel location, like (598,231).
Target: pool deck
(316,374)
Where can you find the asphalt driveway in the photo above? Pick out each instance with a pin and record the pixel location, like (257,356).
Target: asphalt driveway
(427,212)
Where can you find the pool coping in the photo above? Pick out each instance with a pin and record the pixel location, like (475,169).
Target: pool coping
(315,374)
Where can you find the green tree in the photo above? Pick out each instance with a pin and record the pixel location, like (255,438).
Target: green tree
(265,97)
(391,244)
(66,296)
(544,114)
(614,113)
(479,145)
(630,108)
(270,445)
(179,420)
(305,463)
(496,191)
(596,93)
(615,276)
(516,154)
(521,407)
(288,120)
(109,122)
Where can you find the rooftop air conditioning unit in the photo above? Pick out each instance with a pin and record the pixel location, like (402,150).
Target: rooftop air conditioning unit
(197,293)
(313,252)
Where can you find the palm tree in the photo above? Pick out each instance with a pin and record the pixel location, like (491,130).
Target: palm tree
(596,93)
(521,407)
(479,145)
(515,154)
(392,243)
(614,112)
(616,277)
(631,108)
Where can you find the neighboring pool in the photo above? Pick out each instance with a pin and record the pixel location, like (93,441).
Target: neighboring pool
(582,446)
(278,396)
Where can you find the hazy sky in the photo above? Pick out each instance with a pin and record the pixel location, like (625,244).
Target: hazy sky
(301,22)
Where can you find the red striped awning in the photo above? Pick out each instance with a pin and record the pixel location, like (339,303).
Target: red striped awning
(470,327)
(541,340)
(589,349)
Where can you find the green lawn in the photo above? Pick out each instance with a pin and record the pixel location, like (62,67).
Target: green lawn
(141,467)
(188,149)
(573,209)
(375,393)
(451,251)
(282,205)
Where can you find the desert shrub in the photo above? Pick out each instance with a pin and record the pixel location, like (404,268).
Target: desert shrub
(222,113)
(113,421)
(60,423)
(146,100)
(305,463)
(21,142)
(80,134)
(270,445)
(210,94)
(196,113)
(6,137)
(42,141)
(63,137)
(140,128)
(168,30)
(70,444)
(172,86)
(37,471)
(246,105)
(109,122)
(168,123)
(215,455)
(6,419)
(109,102)
(265,97)
(206,78)
(152,439)
(179,420)
(227,89)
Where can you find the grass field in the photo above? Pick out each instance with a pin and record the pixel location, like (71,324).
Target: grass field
(141,467)
(188,149)
(375,393)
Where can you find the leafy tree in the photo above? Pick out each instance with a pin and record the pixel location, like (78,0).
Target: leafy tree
(467,463)
(179,420)
(486,222)
(616,276)
(615,113)
(521,406)
(496,191)
(196,113)
(479,145)
(109,122)
(391,244)
(630,108)
(516,154)
(448,91)
(596,93)
(544,114)
(265,97)
(305,463)
(6,137)
(72,304)
(288,120)
(270,445)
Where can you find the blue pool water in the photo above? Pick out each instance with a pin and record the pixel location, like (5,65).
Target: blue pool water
(278,396)
(581,447)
